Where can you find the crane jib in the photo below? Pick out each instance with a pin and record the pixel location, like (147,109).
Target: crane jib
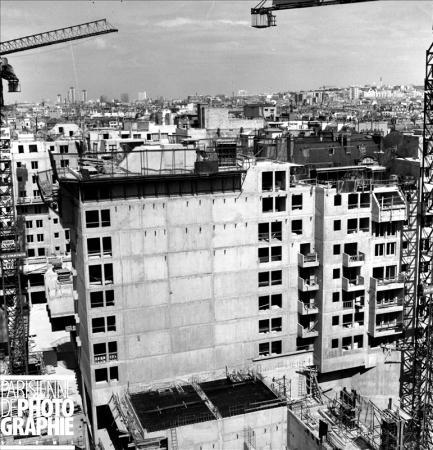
(58,36)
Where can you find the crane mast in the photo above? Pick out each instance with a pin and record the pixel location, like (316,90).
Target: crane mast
(416,375)
(14,309)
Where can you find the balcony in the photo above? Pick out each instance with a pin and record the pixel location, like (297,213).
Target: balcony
(357,303)
(388,205)
(311,284)
(307,308)
(383,284)
(354,284)
(353,260)
(386,329)
(29,200)
(388,305)
(308,331)
(308,260)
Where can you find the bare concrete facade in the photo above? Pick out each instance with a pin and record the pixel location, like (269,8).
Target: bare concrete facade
(173,286)
(175,281)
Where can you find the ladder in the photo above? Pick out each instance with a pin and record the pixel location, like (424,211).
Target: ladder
(173,439)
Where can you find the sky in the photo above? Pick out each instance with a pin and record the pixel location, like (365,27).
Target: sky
(179,48)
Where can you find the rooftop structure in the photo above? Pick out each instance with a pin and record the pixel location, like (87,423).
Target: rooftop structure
(219,412)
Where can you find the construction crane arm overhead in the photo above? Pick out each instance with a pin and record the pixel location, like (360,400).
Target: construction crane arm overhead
(262,17)
(80,31)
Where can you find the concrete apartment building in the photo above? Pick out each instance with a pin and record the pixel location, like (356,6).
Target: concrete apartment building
(182,272)
(44,236)
(185,268)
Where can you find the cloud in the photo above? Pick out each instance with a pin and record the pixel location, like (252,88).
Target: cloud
(179,22)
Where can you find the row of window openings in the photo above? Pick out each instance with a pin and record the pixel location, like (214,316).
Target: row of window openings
(31,252)
(33,148)
(107,374)
(274,301)
(33,164)
(271,278)
(384,229)
(40,224)
(99,246)
(353,225)
(268,254)
(278,204)
(101,299)
(379,249)
(349,320)
(270,325)
(98,218)
(348,342)
(274,181)
(34,179)
(270,231)
(270,348)
(103,324)
(101,274)
(104,352)
(40,237)
(388,272)
(36,193)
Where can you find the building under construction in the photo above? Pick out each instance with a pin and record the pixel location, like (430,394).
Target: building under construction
(189,261)
(236,412)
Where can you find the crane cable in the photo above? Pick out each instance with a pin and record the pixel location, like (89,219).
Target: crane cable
(74,66)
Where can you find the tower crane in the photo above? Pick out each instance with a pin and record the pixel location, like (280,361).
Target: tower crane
(416,375)
(13,304)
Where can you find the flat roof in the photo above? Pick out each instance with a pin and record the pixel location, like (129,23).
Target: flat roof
(168,408)
(233,398)
(181,405)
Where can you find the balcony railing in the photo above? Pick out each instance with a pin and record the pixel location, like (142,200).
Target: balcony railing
(391,303)
(381,284)
(308,260)
(29,200)
(380,329)
(391,326)
(353,260)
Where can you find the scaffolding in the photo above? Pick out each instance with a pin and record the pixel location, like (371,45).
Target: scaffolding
(417,367)
(14,304)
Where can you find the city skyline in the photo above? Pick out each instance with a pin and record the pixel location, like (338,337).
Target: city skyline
(175,49)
